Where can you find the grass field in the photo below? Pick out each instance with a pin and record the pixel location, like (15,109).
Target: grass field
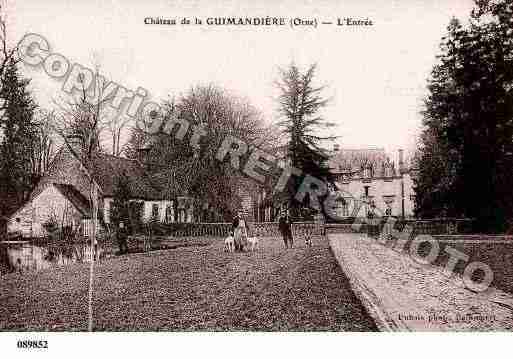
(191,288)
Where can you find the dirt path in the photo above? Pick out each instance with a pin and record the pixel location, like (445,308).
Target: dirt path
(193,288)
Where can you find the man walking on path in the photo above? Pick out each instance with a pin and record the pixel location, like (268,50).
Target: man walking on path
(285,228)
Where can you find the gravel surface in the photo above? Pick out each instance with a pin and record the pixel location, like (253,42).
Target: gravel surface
(191,288)
(405,295)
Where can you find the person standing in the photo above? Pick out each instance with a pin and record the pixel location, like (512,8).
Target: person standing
(240,233)
(122,238)
(285,228)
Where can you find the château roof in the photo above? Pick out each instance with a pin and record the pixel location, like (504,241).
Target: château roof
(355,160)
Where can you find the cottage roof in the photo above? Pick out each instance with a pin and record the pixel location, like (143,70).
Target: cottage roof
(172,182)
(76,198)
(107,169)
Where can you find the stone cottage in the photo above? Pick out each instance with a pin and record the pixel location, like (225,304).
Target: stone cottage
(62,195)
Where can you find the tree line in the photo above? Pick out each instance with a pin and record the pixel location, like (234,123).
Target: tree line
(466,152)
(86,126)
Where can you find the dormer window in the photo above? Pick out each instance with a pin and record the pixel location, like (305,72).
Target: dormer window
(170,213)
(389,171)
(388,168)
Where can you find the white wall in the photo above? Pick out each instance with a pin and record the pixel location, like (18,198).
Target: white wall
(379,190)
(107,206)
(148,205)
(49,203)
(147,209)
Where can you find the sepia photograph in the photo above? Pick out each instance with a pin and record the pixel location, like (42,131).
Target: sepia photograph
(255,168)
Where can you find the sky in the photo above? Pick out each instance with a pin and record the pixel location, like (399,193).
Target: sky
(375,75)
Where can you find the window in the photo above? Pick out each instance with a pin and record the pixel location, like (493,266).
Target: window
(389,200)
(181,202)
(342,207)
(136,210)
(108,213)
(371,206)
(345,209)
(388,171)
(169,213)
(366,190)
(155,211)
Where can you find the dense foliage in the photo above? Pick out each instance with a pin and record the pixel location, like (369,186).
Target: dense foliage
(466,154)
(18,132)
(183,168)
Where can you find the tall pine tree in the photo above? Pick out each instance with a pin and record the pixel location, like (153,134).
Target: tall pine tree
(18,131)
(299,105)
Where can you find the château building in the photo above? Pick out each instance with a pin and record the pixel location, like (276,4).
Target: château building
(370,183)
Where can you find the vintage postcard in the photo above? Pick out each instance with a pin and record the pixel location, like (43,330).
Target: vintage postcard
(255,166)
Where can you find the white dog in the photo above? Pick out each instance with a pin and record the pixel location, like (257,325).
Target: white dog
(253,243)
(229,244)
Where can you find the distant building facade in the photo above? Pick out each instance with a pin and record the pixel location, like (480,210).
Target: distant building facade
(370,183)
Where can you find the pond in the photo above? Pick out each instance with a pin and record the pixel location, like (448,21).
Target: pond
(23,256)
(29,256)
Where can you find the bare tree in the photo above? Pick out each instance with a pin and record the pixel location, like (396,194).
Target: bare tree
(43,148)
(80,124)
(81,121)
(116,125)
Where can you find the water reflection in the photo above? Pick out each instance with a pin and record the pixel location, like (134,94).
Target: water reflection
(27,256)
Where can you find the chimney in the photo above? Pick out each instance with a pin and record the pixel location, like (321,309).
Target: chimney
(336,147)
(401,161)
